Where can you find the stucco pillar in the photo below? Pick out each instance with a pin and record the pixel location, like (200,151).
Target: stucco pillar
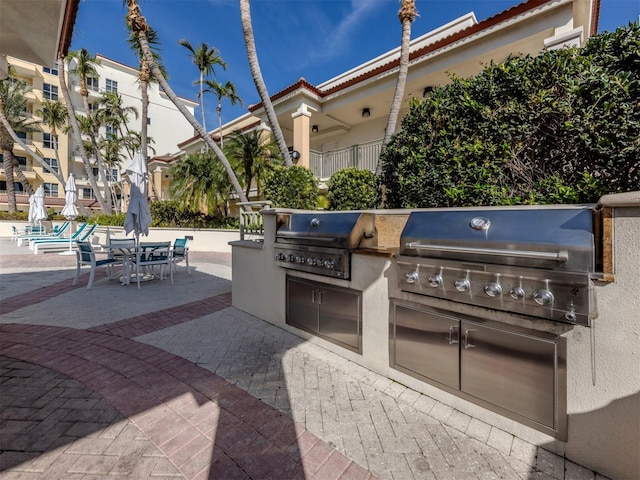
(157,183)
(301,142)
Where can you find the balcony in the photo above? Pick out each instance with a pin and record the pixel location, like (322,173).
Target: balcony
(364,157)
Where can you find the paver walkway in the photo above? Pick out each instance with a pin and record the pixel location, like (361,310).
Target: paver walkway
(173,382)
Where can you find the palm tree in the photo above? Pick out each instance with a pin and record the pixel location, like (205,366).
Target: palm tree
(145,78)
(228,90)
(112,112)
(200,184)
(55,115)
(254,155)
(205,58)
(137,24)
(406,15)
(254,66)
(77,134)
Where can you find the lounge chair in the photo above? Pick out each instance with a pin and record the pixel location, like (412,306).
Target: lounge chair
(14,233)
(180,252)
(57,233)
(79,232)
(87,256)
(31,231)
(62,244)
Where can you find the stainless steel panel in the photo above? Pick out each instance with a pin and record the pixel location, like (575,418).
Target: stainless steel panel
(302,309)
(330,312)
(513,371)
(325,229)
(554,237)
(340,316)
(426,343)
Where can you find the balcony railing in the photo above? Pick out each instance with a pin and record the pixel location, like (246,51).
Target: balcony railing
(364,157)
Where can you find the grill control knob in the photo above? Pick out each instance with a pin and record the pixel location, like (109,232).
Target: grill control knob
(462,284)
(291,258)
(493,289)
(300,260)
(312,261)
(280,256)
(543,297)
(411,277)
(329,264)
(435,280)
(570,316)
(517,293)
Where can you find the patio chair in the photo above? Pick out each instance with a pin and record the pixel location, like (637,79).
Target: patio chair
(148,256)
(87,256)
(31,231)
(57,233)
(60,244)
(180,252)
(14,233)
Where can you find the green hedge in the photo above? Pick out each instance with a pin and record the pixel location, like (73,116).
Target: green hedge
(353,189)
(561,127)
(292,187)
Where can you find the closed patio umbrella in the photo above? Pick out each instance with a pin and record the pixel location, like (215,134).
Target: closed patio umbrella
(40,212)
(138,216)
(70,211)
(32,210)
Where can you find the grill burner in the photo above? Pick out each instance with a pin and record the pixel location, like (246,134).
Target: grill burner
(535,261)
(321,242)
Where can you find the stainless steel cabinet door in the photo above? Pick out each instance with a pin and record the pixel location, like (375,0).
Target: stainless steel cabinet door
(340,316)
(427,343)
(302,306)
(511,370)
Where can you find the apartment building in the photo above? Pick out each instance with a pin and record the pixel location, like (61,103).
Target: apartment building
(166,128)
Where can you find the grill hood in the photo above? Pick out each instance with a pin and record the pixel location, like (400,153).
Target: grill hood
(556,237)
(342,230)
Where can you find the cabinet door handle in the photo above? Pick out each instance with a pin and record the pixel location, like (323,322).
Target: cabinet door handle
(451,332)
(313,296)
(466,338)
(319,297)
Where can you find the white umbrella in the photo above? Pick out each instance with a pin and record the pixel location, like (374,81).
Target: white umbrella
(70,211)
(40,211)
(138,217)
(32,209)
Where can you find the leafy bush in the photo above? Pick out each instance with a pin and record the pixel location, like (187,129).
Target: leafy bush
(170,213)
(114,220)
(292,187)
(353,189)
(562,127)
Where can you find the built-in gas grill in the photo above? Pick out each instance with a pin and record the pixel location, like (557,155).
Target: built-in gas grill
(537,261)
(321,242)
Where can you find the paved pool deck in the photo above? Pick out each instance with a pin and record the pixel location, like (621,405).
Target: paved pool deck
(172,382)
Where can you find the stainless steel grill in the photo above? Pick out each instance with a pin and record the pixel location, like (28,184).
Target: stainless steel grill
(321,242)
(536,261)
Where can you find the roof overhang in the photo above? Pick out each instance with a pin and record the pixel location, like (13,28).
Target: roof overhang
(36,30)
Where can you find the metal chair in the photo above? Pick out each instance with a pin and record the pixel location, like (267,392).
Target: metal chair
(180,252)
(148,256)
(87,256)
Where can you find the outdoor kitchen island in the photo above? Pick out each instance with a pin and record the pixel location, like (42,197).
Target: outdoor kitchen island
(594,407)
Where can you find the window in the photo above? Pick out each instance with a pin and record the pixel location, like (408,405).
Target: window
(148,121)
(53,163)
(93,107)
(17,186)
(111,132)
(50,189)
(22,136)
(22,161)
(52,71)
(87,193)
(49,91)
(112,86)
(48,141)
(112,174)
(92,83)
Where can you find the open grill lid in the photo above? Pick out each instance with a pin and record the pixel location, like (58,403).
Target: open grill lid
(325,229)
(555,237)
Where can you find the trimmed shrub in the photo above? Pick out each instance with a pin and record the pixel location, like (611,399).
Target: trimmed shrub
(562,127)
(292,187)
(353,189)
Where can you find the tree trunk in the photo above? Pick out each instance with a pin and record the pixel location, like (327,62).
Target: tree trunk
(78,137)
(140,27)
(254,66)
(406,18)
(8,173)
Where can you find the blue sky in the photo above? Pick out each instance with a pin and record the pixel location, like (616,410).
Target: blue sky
(314,39)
